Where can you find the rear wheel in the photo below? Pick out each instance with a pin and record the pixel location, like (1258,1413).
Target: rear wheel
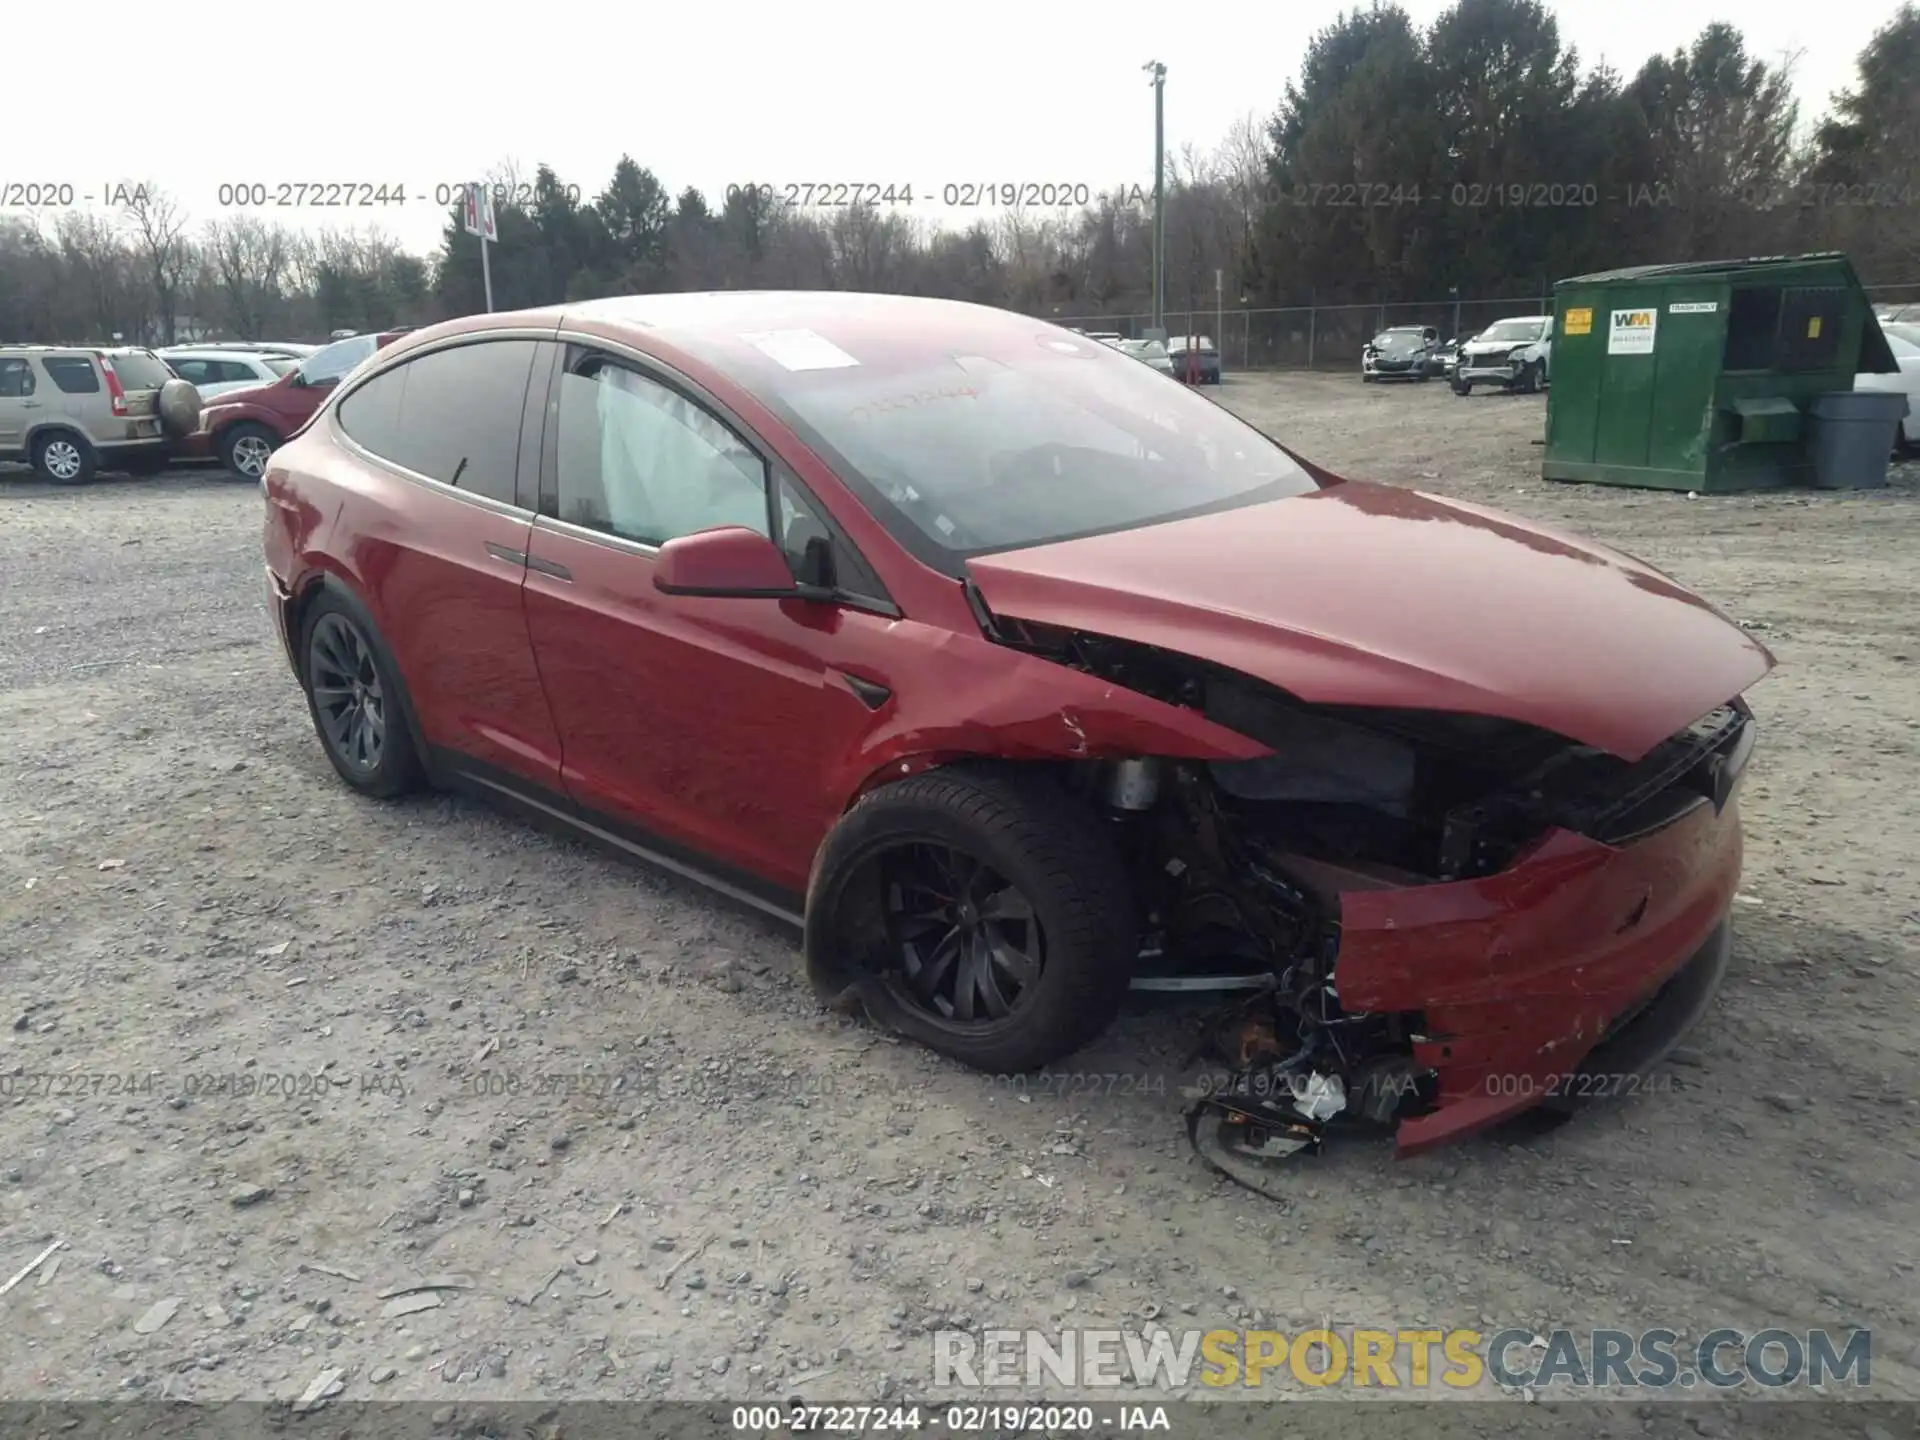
(246,448)
(986,914)
(353,694)
(64,459)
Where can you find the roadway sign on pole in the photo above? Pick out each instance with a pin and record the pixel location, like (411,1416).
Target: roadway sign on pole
(478,219)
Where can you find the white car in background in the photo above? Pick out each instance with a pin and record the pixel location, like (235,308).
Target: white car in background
(220,372)
(1514,354)
(1903,338)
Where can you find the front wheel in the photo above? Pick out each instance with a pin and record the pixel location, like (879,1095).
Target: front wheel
(979,910)
(353,693)
(246,448)
(1463,387)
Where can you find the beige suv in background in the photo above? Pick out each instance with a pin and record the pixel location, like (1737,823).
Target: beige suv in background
(73,410)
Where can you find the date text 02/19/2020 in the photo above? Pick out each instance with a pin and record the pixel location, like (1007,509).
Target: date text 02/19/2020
(954,194)
(987,1419)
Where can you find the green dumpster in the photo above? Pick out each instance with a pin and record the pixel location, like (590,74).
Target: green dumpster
(1701,376)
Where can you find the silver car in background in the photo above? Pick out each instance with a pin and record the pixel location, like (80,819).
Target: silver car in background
(1147,352)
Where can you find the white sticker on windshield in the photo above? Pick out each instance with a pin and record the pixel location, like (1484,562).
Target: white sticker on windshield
(799,350)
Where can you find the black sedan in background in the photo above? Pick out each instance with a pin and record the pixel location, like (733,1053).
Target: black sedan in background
(1405,352)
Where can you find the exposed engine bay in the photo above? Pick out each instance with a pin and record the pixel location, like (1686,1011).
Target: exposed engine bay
(1240,865)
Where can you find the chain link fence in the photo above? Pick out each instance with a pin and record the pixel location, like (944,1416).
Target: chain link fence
(1332,336)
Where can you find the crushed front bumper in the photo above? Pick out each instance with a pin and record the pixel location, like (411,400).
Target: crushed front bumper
(1519,976)
(1480,371)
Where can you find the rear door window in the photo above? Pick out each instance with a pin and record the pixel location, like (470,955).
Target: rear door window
(450,415)
(72,374)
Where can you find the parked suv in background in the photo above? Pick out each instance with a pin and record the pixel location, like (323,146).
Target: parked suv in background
(75,410)
(1513,354)
(242,429)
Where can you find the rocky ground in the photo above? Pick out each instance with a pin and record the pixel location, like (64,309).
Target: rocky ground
(314,1050)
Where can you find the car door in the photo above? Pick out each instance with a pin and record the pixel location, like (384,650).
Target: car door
(18,403)
(442,547)
(703,725)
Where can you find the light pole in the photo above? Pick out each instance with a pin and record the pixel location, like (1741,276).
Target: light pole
(1159,73)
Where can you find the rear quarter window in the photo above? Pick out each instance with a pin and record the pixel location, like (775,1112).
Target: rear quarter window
(73,374)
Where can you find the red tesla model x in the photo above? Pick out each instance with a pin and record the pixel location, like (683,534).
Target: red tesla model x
(1017,676)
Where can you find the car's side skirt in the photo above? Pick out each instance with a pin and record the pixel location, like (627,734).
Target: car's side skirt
(555,810)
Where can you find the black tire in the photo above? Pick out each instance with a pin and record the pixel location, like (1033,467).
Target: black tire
(1047,848)
(64,458)
(340,651)
(1529,382)
(1366,379)
(239,449)
(1463,388)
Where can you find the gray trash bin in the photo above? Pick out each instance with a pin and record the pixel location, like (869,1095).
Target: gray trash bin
(1851,434)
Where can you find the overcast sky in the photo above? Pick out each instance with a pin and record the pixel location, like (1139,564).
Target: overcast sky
(415,96)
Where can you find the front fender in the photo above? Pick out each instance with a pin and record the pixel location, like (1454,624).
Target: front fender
(1000,703)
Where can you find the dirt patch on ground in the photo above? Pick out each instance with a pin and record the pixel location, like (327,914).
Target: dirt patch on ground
(326,1048)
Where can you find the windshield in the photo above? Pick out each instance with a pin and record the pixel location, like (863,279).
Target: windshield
(1398,340)
(1904,341)
(1513,332)
(337,359)
(968,454)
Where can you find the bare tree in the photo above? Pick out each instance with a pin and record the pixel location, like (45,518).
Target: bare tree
(159,227)
(250,261)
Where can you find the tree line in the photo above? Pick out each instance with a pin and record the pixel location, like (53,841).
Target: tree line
(1476,156)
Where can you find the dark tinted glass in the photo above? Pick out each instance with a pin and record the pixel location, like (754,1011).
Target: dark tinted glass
(458,415)
(371,414)
(74,374)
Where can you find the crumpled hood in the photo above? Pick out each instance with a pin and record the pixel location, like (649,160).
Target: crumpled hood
(1360,594)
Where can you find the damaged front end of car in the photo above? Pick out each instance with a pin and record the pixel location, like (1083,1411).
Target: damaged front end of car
(1445,918)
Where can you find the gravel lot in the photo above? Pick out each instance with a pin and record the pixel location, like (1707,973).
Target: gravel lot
(394,1042)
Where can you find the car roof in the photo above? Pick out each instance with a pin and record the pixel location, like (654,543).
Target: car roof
(741,333)
(212,352)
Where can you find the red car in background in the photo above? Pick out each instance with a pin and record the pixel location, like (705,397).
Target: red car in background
(241,428)
(1014,677)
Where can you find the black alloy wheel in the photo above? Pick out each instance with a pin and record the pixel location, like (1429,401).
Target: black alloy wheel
(349,699)
(969,945)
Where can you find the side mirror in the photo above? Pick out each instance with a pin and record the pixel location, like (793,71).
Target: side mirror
(731,561)
(299,381)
